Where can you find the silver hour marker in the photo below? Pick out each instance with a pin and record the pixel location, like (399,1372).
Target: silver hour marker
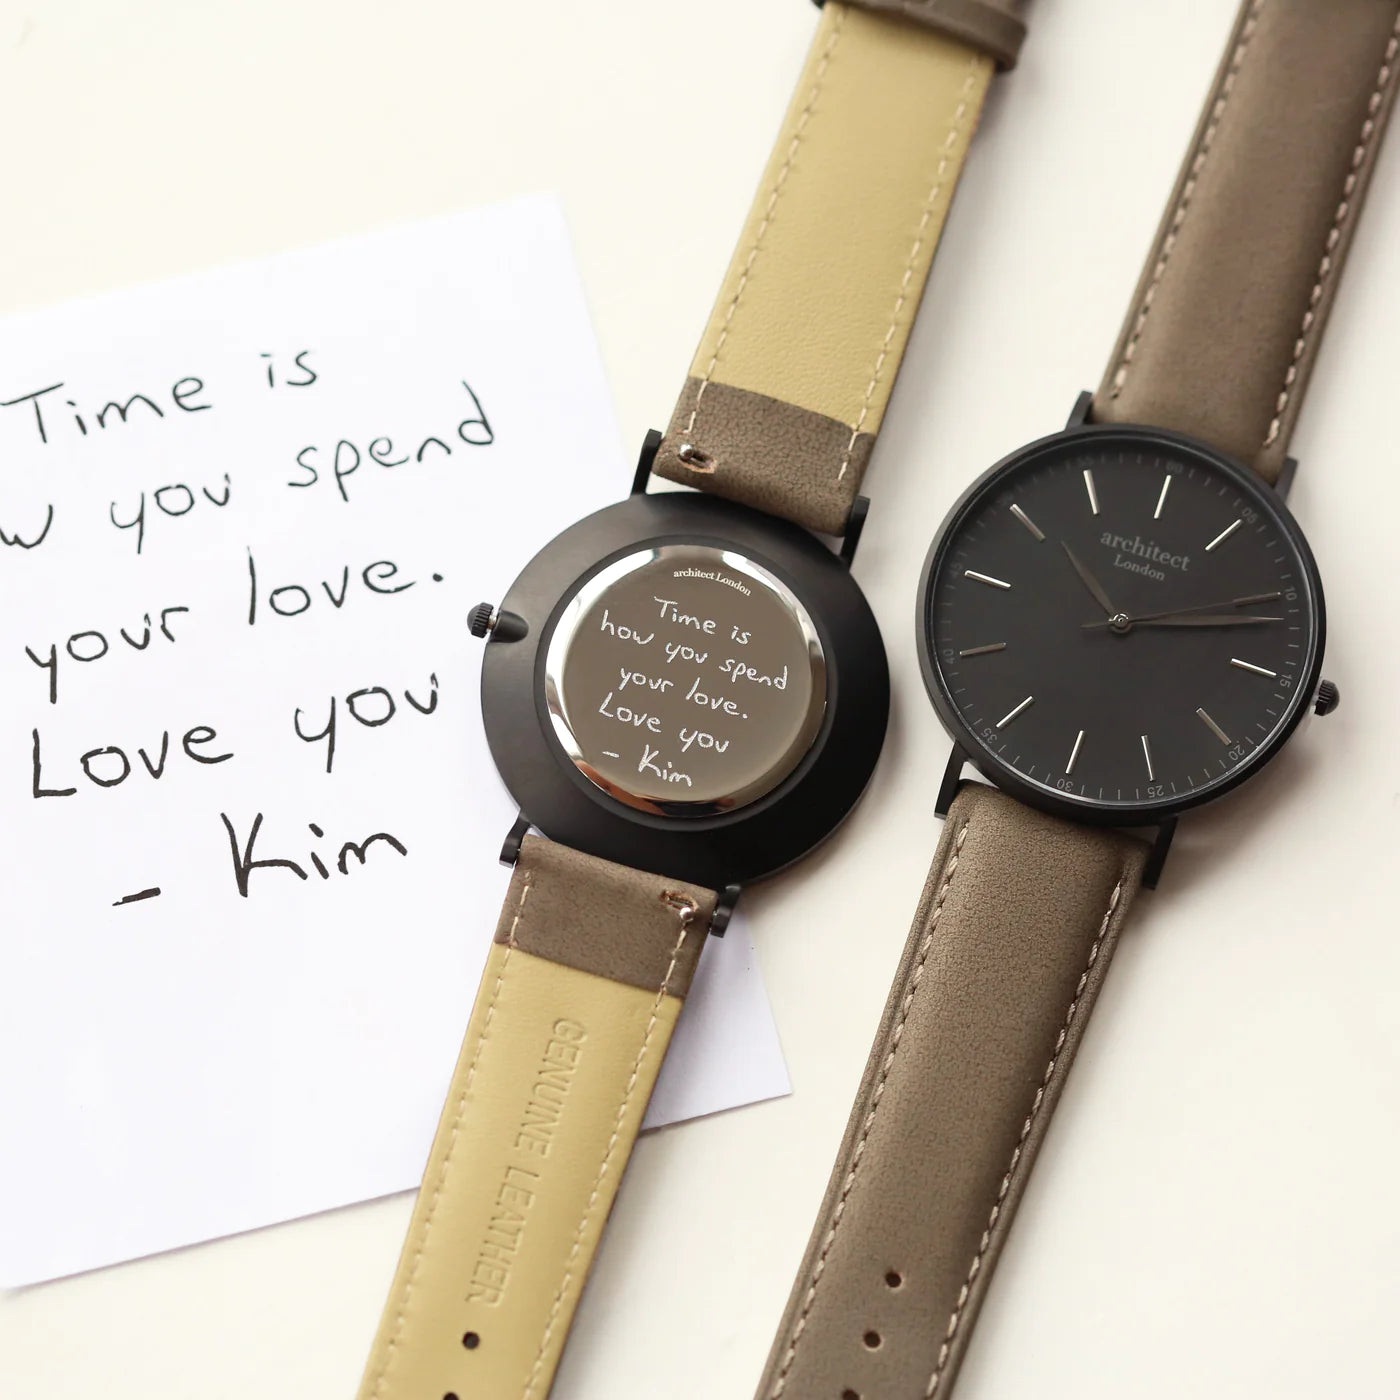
(1224,535)
(985,578)
(1089,487)
(1250,666)
(1213,727)
(1006,719)
(1257,598)
(1027,522)
(1147,755)
(982,651)
(1074,753)
(1162,499)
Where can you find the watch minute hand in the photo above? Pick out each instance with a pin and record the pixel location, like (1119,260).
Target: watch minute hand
(1186,619)
(1207,620)
(1197,608)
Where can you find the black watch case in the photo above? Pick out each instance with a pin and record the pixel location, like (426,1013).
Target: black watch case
(1093,440)
(714,849)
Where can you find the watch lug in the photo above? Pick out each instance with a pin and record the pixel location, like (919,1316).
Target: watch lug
(855,523)
(724,909)
(952,781)
(1284,484)
(510,847)
(1079,414)
(645,458)
(1152,871)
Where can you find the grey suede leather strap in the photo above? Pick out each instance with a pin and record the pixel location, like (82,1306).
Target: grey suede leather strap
(994,26)
(1224,327)
(1009,947)
(1022,911)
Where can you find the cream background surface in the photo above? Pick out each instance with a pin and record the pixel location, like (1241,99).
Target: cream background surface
(1212,1214)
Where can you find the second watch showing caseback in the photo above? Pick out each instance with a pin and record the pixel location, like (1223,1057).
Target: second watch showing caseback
(684,692)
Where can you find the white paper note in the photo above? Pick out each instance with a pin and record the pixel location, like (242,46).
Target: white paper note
(244,516)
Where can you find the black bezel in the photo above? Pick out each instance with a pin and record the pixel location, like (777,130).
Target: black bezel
(731,848)
(1090,810)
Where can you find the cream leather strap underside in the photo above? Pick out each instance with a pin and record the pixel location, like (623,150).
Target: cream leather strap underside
(583,985)
(790,383)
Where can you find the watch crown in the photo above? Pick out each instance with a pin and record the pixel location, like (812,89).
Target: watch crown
(1328,698)
(481,619)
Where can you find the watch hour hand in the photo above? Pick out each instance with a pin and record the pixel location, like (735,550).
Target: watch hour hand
(1089,582)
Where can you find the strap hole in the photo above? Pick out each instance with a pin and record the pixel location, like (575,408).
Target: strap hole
(451,1395)
(894,1279)
(696,458)
(873,1340)
(849,1394)
(471,1340)
(681,903)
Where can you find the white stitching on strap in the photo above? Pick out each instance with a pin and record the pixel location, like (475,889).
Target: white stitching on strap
(685,915)
(441,1179)
(779,182)
(1187,190)
(1324,270)
(840,1208)
(1016,1156)
(949,141)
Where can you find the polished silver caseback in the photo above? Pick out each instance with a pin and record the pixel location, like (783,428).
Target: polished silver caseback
(685,680)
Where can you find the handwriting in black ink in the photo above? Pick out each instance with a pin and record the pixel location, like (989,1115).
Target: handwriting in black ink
(344,459)
(244,864)
(182,393)
(92,645)
(108,765)
(371,707)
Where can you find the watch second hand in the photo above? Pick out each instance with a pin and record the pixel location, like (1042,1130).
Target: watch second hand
(1091,583)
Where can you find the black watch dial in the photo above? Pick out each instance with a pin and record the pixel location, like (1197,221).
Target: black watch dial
(1120,621)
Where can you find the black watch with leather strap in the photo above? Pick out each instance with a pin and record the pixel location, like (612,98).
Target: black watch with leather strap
(1117,623)
(683,693)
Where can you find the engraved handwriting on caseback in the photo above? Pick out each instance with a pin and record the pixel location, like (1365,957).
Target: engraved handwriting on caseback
(535,1133)
(685,679)
(1137,555)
